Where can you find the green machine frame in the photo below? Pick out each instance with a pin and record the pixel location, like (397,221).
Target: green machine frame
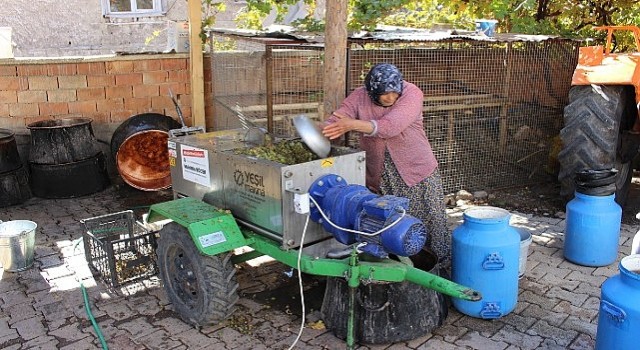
(215,231)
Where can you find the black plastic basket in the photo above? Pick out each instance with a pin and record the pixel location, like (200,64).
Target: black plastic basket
(118,248)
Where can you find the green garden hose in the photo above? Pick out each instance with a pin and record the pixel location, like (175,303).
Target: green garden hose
(93,320)
(87,308)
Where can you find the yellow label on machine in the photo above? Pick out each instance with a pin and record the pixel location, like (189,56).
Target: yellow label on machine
(327,162)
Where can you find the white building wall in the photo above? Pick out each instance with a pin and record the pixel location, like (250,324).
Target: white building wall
(58,28)
(61,28)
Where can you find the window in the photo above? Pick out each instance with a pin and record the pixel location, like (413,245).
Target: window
(132,8)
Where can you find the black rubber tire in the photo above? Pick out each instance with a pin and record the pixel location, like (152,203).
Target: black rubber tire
(202,289)
(591,135)
(623,182)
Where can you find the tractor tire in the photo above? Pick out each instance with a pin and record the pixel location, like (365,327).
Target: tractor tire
(202,289)
(594,121)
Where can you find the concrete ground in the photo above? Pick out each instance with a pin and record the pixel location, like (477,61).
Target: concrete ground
(42,307)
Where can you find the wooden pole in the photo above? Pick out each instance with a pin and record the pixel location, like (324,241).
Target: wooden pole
(335,53)
(196,63)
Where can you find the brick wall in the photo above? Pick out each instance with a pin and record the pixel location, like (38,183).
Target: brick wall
(107,90)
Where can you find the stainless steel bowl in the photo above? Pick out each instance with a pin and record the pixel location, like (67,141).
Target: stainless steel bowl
(312,136)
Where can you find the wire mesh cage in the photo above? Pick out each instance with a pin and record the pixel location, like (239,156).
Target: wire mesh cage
(492,110)
(118,248)
(264,82)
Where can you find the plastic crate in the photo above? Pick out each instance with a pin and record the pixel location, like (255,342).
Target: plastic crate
(119,248)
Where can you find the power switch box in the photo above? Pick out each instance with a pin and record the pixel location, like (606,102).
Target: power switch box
(301,203)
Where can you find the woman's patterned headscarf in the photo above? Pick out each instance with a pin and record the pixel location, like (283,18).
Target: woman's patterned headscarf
(382,78)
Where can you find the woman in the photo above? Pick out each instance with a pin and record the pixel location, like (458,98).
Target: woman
(400,161)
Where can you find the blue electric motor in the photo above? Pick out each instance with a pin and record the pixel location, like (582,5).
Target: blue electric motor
(354,207)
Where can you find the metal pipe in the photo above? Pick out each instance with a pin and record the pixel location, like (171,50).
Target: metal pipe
(353,283)
(441,285)
(269,77)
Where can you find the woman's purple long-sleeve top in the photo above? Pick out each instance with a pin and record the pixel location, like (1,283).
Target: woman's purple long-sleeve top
(398,128)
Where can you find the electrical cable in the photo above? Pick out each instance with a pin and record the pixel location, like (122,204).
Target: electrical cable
(403,213)
(304,232)
(87,308)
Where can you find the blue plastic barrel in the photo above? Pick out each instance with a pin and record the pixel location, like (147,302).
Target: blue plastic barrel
(619,315)
(485,257)
(592,230)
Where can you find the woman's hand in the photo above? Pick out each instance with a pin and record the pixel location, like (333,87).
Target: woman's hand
(345,124)
(337,128)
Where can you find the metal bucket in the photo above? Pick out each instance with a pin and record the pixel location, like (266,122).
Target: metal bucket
(17,241)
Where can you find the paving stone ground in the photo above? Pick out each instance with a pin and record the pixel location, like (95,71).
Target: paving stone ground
(43,307)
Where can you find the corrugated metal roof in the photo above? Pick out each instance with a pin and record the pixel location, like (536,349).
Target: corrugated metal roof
(389,34)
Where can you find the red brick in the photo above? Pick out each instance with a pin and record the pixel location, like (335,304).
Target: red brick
(120,91)
(12,123)
(137,104)
(62,69)
(161,102)
(53,108)
(179,76)
(91,68)
(61,95)
(209,112)
(174,64)
(30,70)
(114,67)
(8,96)
(208,86)
(146,90)
(72,81)
(33,119)
(43,83)
(184,100)
(32,96)
(101,117)
(101,80)
(4,111)
(171,113)
(147,65)
(129,79)
(154,77)
(177,88)
(174,115)
(186,113)
(121,115)
(8,71)
(110,105)
(10,83)
(88,94)
(83,107)
(23,109)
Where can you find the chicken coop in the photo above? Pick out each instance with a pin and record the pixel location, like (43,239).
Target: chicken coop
(493,107)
